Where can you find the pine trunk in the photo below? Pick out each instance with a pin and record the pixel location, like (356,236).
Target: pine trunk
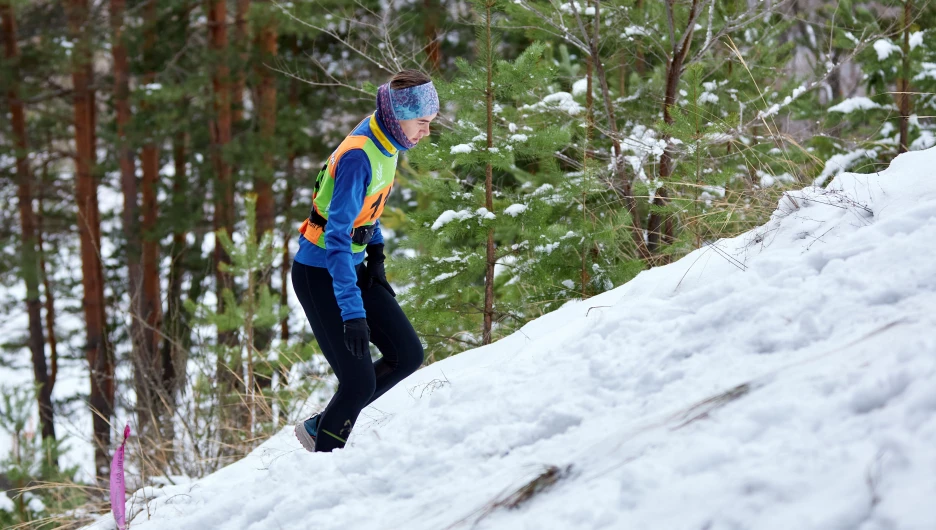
(623,186)
(29,268)
(240,43)
(491,259)
(173,353)
(173,356)
(287,259)
(97,350)
(431,25)
(149,402)
(229,367)
(263,181)
(49,302)
(130,216)
(903,83)
(660,228)
(589,125)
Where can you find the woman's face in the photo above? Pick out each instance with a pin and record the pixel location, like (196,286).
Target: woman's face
(417,128)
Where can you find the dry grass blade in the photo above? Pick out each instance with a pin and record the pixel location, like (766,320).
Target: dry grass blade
(544,481)
(514,500)
(702,409)
(519,497)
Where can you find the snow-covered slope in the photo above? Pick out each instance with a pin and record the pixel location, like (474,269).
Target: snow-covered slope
(784,379)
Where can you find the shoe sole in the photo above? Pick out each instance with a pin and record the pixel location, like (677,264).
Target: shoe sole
(307,441)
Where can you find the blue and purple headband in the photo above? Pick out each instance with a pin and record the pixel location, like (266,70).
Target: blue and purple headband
(405,104)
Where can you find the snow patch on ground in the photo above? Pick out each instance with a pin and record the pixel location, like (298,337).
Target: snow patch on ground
(785,378)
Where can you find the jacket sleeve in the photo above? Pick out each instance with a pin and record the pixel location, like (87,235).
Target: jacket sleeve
(351,180)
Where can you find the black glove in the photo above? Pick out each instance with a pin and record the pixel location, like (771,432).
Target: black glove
(356,337)
(375,268)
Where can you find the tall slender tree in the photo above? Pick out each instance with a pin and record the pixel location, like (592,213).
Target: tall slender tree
(97,348)
(149,400)
(487,53)
(229,369)
(130,216)
(29,268)
(660,227)
(903,81)
(265,43)
(175,345)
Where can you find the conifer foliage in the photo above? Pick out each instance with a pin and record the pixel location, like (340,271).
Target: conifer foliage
(492,169)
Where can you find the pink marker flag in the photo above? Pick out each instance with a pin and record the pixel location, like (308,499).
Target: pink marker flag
(118,488)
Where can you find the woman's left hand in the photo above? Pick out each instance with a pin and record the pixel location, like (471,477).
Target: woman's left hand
(375,269)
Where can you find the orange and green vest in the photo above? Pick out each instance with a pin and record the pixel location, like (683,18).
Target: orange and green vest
(383,169)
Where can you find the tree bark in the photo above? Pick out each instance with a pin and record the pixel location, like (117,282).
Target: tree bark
(903,83)
(173,354)
(242,7)
(150,399)
(97,350)
(49,301)
(660,227)
(29,268)
(130,216)
(230,383)
(288,233)
(431,25)
(486,336)
(622,185)
(173,357)
(589,125)
(263,180)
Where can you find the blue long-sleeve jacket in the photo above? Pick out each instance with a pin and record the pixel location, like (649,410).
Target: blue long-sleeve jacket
(352,178)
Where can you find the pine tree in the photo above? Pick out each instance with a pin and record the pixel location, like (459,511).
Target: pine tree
(31,461)
(897,59)
(468,231)
(257,309)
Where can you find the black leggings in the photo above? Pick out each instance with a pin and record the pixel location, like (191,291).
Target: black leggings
(360,382)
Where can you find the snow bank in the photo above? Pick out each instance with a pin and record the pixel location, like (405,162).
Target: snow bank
(782,379)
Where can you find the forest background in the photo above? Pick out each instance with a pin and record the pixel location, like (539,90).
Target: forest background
(157,157)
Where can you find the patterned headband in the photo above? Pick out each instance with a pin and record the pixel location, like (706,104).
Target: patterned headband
(405,104)
(415,102)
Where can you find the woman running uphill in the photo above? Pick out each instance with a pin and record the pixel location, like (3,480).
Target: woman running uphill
(347,303)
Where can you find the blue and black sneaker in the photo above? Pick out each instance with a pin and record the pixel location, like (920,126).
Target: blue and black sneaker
(306,432)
